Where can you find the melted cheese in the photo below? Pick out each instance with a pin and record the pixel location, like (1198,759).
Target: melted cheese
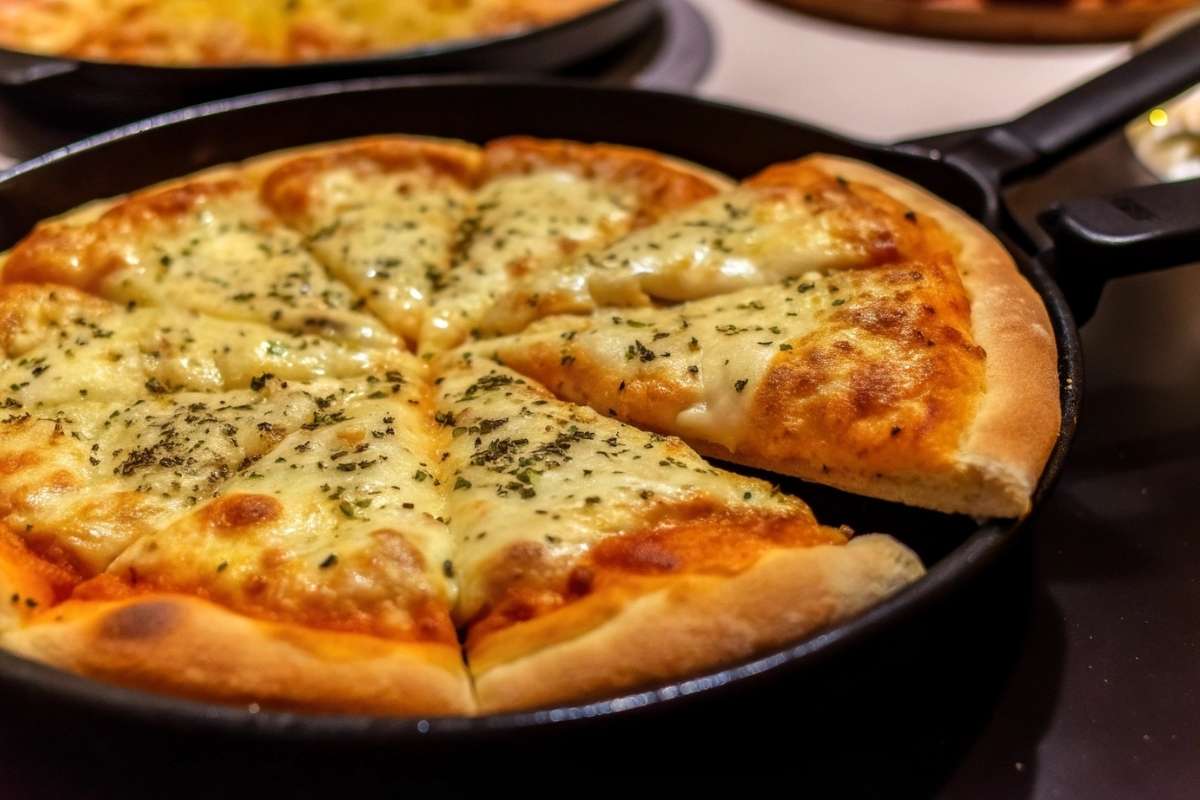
(88,477)
(742,238)
(344,526)
(713,353)
(388,235)
(851,379)
(524,467)
(65,346)
(523,225)
(227,257)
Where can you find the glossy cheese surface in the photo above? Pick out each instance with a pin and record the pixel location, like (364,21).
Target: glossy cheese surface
(330,527)
(536,482)
(60,345)
(207,245)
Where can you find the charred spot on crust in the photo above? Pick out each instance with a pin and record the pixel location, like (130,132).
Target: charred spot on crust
(580,581)
(141,621)
(242,510)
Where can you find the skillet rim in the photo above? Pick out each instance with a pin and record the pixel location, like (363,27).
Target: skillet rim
(961,565)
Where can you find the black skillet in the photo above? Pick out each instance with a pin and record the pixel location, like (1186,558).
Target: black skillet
(735,141)
(116,91)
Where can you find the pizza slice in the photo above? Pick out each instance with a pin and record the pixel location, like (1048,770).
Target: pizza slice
(383,214)
(594,557)
(80,481)
(931,381)
(543,201)
(204,244)
(58,345)
(790,219)
(319,577)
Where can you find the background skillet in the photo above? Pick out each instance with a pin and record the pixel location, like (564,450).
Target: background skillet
(117,91)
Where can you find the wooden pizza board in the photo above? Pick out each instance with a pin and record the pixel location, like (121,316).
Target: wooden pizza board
(1048,21)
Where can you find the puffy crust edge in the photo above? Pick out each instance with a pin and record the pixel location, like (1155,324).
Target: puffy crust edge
(691,623)
(513,153)
(186,646)
(454,154)
(1018,418)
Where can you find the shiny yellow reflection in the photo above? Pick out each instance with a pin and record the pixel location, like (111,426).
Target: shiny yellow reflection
(1158,117)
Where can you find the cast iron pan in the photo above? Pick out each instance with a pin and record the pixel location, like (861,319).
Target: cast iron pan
(115,91)
(730,139)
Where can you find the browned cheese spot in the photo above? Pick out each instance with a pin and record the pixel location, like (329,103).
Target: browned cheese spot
(243,510)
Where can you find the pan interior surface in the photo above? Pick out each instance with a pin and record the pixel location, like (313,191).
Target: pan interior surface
(955,548)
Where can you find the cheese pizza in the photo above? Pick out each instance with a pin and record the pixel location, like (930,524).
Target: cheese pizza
(413,426)
(884,345)
(227,32)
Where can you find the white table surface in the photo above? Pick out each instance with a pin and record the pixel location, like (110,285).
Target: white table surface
(877,85)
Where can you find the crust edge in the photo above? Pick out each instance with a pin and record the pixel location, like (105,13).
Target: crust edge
(188,647)
(698,622)
(1018,418)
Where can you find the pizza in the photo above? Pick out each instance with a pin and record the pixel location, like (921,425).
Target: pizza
(229,32)
(1003,20)
(401,425)
(824,320)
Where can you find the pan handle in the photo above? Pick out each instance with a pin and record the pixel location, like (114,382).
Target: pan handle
(1139,230)
(1070,122)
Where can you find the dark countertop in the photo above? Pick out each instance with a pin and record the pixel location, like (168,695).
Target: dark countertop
(1104,701)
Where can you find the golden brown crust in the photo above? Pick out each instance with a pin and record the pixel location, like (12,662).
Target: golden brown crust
(871,222)
(693,537)
(1018,417)
(662,183)
(25,309)
(288,182)
(621,641)
(82,247)
(186,646)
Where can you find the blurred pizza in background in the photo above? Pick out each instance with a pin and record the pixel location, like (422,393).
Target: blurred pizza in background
(1002,20)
